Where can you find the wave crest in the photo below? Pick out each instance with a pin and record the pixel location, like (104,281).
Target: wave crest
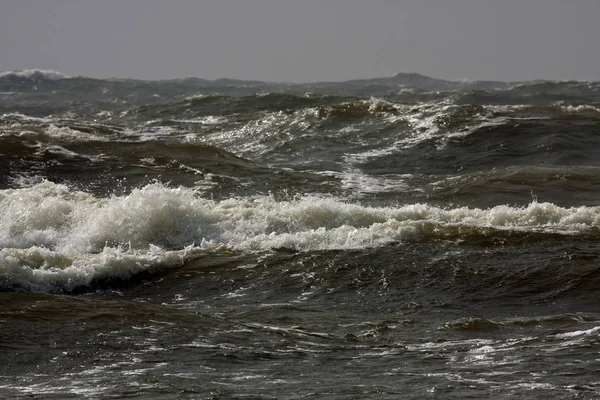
(52,236)
(34,74)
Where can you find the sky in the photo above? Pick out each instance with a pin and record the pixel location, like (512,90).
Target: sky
(304,40)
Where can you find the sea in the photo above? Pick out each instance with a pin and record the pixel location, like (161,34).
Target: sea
(389,238)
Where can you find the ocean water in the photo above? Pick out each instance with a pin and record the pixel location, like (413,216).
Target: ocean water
(401,237)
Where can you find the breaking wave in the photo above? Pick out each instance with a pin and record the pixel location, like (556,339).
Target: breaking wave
(55,237)
(34,74)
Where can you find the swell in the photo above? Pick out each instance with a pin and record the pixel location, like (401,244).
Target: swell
(559,321)
(550,275)
(446,281)
(565,185)
(498,144)
(325,107)
(536,93)
(359,147)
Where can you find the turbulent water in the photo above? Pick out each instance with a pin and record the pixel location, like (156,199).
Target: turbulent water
(400,237)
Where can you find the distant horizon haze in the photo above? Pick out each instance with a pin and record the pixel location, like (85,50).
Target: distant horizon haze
(300,42)
(30,72)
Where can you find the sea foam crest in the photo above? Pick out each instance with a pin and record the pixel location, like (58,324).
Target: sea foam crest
(55,237)
(34,74)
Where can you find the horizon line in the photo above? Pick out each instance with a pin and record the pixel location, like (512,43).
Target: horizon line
(50,74)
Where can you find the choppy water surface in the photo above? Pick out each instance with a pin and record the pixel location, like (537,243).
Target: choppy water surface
(400,237)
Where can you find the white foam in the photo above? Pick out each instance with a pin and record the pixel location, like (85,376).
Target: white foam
(424,123)
(196,96)
(37,74)
(62,152)
(53,236)
(579,109)
(48,126)
(42,269)
(17,118)
(104,113)
(29,135)
(256,137)
(206,120)
(359,183)
(70,134)
(575,334)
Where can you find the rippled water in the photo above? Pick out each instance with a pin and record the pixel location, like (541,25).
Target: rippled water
(395,237)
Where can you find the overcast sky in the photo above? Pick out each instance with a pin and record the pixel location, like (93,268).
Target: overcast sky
(304,40)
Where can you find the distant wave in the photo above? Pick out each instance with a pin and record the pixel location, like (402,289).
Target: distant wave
(369,86)
(34,74)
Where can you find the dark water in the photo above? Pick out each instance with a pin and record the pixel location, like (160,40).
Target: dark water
(400,237)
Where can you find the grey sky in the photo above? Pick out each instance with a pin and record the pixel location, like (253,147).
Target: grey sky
(304,40)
